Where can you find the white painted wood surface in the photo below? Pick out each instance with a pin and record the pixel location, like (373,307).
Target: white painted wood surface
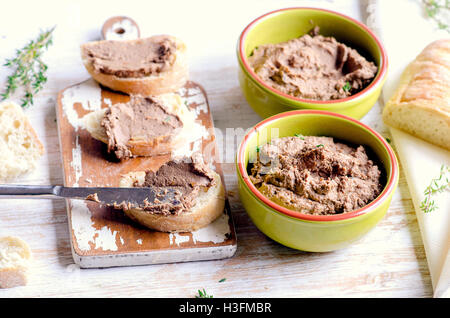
(421,160)
(388,262)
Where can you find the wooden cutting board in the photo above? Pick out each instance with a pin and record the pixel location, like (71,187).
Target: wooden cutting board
(104,237)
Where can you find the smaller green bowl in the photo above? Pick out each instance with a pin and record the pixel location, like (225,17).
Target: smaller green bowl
(314,233)
(286,24)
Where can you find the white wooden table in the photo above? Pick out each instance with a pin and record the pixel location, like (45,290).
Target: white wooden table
(388,262)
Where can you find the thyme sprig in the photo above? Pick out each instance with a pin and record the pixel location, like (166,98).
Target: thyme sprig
(347,87)
(203,294)
(29,69)
(438,10)
(437,185)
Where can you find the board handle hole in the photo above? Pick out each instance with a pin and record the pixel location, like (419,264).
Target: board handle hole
(120,30)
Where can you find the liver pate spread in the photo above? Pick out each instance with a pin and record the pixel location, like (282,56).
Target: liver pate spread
(133,58)
(142,120)
(315,175)
(312,67)
(185,178)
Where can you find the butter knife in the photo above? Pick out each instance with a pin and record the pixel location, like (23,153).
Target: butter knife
(131,197)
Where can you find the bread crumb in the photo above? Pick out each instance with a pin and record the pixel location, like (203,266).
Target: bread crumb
(15,256)
(20,148)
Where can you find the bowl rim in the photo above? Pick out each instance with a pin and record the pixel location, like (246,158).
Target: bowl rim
(377,81)
(387,190)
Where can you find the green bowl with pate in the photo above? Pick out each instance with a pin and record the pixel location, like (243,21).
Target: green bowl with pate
(312,232)
(291,23)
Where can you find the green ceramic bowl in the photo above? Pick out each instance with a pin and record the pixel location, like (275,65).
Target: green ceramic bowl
(286,24)
(315,233)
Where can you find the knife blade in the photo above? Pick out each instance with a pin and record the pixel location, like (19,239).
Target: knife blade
(135,197)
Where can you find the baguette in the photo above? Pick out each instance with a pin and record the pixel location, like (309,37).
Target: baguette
(14,262)
(20,147)
(421,102)
(153,147)
(209,205)
(170,79)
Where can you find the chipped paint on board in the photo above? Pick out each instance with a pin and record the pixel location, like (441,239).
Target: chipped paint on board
(76,162)
(84,231)
(194,96)
(193,144)
(216,232)
(198,133)
(176,238)
(107,101)
(106,239)
(88,94)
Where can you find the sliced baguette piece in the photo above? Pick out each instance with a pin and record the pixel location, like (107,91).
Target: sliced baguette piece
(421,102)
(168,80)
(15,256)
(154,147)
(209,206)
(20,147)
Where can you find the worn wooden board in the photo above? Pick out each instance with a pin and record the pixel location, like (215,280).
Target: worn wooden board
(104,237)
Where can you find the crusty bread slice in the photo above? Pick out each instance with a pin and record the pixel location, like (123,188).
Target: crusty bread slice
(165,82)
(421,102)
(208,207)
(154,147)
(14,262)
(20,147)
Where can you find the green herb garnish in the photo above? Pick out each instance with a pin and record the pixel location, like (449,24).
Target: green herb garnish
(347,87)
(203,294)
(167,119)
(437,185)
(222,280)
(29,69)
(258,148)
(320,145)
(299,136)
(439,12)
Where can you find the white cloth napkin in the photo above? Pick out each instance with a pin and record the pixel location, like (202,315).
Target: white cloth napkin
(405,30)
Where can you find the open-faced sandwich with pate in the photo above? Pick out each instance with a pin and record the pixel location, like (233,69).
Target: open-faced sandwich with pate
(148,66)
(144,126)
(199,195)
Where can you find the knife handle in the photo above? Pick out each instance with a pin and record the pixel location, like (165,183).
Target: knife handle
(27,191)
